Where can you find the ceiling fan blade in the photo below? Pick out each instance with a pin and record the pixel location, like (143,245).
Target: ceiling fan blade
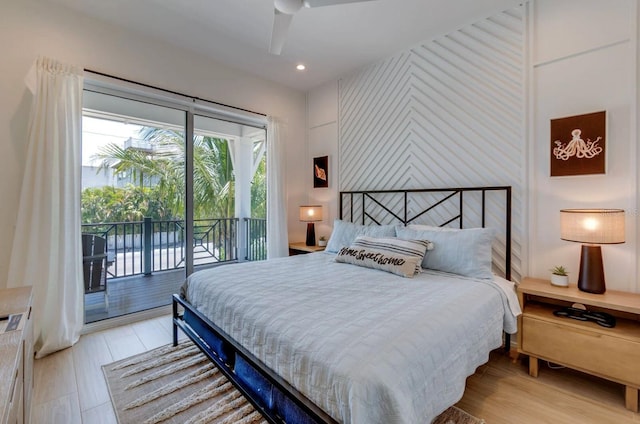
(289,7)
(281,22)
(320,3)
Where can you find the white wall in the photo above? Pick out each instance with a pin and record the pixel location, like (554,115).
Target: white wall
(583,57)
(322,109)
(31,28)
(444,113)
(580,56)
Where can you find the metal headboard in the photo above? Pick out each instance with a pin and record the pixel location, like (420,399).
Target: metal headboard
(436,206)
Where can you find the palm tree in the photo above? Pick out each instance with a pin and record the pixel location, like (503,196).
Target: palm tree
(259,191)
(213,179)
(164,168)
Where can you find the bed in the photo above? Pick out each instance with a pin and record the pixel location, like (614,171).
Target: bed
(309,339)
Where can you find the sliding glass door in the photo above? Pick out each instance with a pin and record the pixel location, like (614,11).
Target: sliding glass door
(229,191)
(163,206)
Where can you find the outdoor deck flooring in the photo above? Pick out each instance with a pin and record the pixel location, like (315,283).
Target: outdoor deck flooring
(134,294)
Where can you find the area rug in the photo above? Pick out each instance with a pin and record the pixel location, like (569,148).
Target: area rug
(179,385)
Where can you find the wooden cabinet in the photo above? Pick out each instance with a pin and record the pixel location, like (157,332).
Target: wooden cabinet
(611,353)
(16,357)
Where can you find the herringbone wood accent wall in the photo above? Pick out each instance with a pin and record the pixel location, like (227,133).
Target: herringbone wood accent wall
(446,113)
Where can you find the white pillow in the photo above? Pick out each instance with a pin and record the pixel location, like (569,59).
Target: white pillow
(425,227)
(401,257)
(465,252)
(344,233)
(422,227)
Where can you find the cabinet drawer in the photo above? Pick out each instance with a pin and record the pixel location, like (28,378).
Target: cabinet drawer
(578,347)
(16,412)
(14,401)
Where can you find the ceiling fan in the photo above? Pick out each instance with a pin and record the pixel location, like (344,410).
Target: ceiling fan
(283,14)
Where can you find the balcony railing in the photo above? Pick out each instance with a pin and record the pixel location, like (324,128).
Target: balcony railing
(256,239)
(144,247)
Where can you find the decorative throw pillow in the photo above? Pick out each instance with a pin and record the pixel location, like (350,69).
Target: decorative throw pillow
(401,257)
(465,252)
(344,233)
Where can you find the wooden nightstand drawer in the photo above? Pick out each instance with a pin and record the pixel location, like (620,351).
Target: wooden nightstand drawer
(581,347)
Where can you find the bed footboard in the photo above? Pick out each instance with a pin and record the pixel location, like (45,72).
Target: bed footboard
(276,399)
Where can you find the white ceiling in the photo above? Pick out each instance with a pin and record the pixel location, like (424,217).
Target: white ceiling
(331,41)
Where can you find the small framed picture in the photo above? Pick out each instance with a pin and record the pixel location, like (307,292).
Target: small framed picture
(321,172)
(578,145)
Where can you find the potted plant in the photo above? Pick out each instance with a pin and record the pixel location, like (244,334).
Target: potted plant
(559,276)
(322,241)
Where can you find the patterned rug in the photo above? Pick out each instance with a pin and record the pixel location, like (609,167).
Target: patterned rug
(179,385)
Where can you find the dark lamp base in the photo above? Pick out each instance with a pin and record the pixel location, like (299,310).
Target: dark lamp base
(591,279)
(311,234)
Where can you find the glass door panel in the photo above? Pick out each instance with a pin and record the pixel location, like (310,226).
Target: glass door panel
(228,159)
(133,197)
(163,206)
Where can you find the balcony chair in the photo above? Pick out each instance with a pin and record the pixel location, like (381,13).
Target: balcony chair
(94,265)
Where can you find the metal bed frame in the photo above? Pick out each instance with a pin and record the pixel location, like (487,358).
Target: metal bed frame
(277,400)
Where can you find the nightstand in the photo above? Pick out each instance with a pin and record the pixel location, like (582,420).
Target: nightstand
(610,353)
(302,248)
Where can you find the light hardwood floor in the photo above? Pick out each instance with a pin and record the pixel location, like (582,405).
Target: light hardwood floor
(70,387)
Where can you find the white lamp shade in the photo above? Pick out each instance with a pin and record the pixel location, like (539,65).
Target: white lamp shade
(593,226)
(311,213)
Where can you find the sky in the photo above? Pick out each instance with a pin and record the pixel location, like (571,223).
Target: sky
(97,133)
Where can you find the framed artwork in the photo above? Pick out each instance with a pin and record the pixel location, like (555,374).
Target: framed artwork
(321,172)
(578,145)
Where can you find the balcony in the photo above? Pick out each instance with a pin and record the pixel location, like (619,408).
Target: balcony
(146,259)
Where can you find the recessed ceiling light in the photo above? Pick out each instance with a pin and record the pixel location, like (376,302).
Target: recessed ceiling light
(301,67)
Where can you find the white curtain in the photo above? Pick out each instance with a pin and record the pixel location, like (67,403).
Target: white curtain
(277,238)
(47,248)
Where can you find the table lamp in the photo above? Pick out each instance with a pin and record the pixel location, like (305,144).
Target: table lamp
(593,227)
(311,214)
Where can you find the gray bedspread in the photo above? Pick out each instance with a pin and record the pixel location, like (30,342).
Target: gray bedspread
(364,345)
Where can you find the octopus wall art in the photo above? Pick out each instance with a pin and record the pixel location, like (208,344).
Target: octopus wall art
(578,145)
